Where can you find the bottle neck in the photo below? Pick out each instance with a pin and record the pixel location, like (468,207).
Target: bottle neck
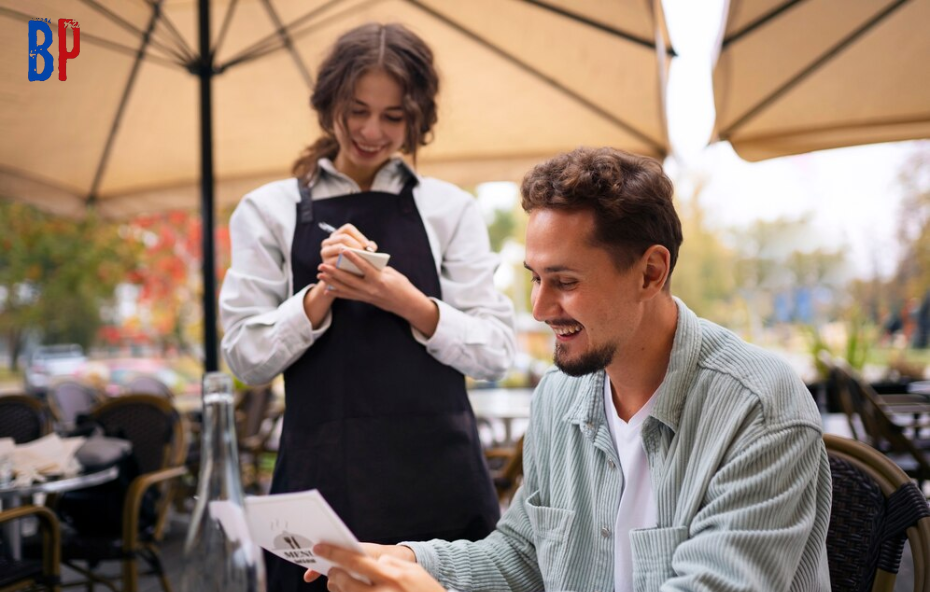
(219,455)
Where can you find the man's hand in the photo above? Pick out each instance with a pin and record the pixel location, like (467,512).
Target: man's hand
(388,568)
(375,552)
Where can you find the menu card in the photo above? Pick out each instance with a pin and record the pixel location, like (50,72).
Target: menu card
(289,524)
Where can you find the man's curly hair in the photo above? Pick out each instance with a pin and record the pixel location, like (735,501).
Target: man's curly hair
(630,195)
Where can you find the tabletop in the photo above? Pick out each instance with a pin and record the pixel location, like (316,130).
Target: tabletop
(12,495)
(501,403)
(59,484)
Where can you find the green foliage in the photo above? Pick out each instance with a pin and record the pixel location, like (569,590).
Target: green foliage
(913,272)
(55,274)
(703,276)
(501,228)
(858,342)
(855,346)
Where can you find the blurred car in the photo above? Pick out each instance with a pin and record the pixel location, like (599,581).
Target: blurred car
(113,375)
(51,362)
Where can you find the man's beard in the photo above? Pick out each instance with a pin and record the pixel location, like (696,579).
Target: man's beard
(588,363)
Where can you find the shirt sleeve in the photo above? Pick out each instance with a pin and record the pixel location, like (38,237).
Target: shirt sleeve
(504,560)
(475,331)
(266,328)
(760,519)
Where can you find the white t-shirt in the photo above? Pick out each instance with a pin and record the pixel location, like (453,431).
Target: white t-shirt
(637,502)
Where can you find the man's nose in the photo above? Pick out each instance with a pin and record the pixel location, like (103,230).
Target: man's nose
(544,305)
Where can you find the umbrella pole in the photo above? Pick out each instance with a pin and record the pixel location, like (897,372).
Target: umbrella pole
(205,74)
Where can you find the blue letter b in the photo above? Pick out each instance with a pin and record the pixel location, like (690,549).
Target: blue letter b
(35,49)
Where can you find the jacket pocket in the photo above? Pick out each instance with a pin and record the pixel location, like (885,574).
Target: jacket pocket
(551,527)
(653,549)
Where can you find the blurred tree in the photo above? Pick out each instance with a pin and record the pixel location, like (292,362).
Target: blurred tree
(169,306)
(703,277)
(913,270)
(56,274)
(820,267)
(501,228)
(774,271)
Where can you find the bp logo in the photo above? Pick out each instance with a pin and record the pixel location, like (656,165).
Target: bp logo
(37,48)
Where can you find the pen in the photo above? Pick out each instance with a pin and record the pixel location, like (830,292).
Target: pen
(326,227)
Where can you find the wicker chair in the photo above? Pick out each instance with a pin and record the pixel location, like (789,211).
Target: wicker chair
(157,433)
(23,418)
(148,385)
(31,574)
(506,465)
(255,419)
(858,399)
(876,507)
(70,399)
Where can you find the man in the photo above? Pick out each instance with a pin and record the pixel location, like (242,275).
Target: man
(664,452)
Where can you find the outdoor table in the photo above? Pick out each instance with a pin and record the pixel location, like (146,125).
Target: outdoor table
(503,405)
(11,496)
(920,387)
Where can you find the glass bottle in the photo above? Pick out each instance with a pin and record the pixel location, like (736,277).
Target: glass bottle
(219,554)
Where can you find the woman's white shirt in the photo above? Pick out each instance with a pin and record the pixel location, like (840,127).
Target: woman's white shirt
(266,328)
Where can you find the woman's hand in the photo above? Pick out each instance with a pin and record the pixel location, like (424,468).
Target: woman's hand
(346,236)
(318,300)
(387,288)
(388,568)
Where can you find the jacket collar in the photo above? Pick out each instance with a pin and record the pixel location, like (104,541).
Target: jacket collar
(588,407)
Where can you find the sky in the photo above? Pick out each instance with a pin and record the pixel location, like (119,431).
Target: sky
(847,209)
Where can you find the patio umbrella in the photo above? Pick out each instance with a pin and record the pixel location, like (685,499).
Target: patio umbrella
(143,116)
(795,76)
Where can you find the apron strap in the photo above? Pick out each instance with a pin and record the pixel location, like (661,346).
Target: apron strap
(305,208)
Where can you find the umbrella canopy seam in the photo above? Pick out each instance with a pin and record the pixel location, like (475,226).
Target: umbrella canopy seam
(169,26)
(591,106)
(598,25)
(224,28)
(288,43)
(94,40)
(39,180)
(114,128)
(272,42)
(761,21)
(861,124)
(818,63)
(177,52)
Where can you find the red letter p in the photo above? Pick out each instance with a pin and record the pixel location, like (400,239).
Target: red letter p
(63,54)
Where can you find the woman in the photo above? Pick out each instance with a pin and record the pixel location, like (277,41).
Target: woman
(377,416)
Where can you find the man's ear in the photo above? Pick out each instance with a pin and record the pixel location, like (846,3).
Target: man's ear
(655,265)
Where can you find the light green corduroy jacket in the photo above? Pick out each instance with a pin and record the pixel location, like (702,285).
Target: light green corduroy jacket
(738,466)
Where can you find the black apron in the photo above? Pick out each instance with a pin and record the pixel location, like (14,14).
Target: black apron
(379,426)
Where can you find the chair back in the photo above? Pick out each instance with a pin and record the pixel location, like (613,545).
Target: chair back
(876,507)
(148,385)
(125,521)
(251,411)
(506,466)
(23,418)
(859,399)
(151,423)
(69,399)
